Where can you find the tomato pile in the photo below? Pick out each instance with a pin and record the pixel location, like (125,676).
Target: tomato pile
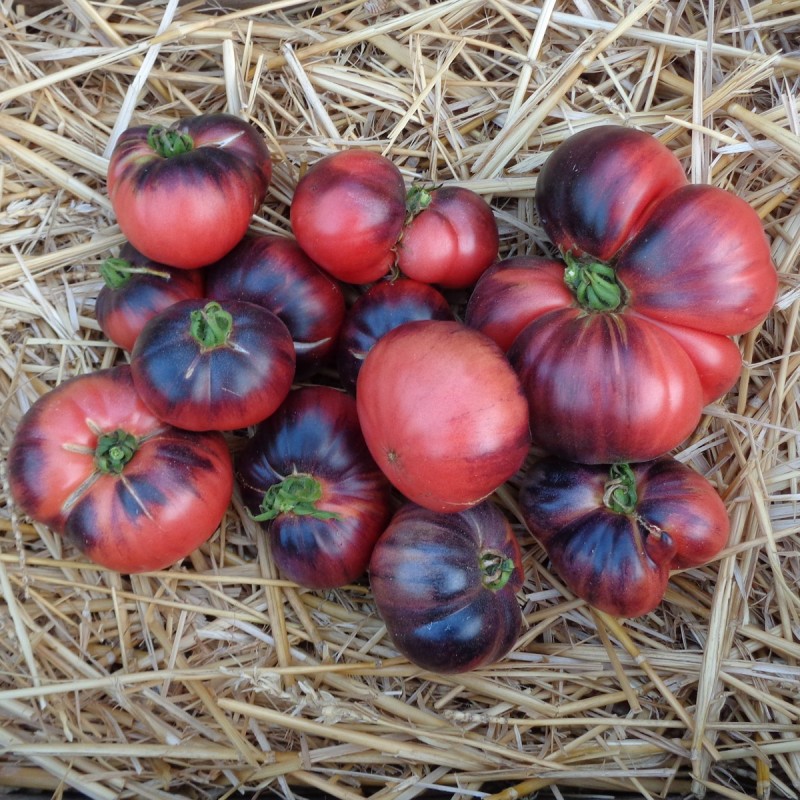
(384,372)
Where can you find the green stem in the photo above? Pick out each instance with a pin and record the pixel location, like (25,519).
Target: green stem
(594,284)
(211,325)
(116,272)
(620,490)
(168,142)
(295,494)
(418,199)
(496,570)
(114,450)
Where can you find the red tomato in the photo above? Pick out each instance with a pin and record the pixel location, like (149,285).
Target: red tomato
(134,494)
(443,413)
(613,533)
(445,586)
(347,213)
(201,366)
(185,195)
(136,289)
(450,239)
(308,477)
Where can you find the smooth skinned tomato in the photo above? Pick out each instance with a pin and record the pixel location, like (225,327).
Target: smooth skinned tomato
(308,477)
(347,213)
(450,238)
(614,533)
(443,413)
(274,272)
(383,307)
(185,195)
(91,461)
(201,366)
(445,586)
(136,289)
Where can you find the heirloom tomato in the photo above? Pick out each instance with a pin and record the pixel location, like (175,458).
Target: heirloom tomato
(185,195)
(614,532)
(201,366)
(136,289)
(383,307)
(308,477)
(347,213)
(274,272)
(662,273)
(446,586)
(443,413)
(134,494)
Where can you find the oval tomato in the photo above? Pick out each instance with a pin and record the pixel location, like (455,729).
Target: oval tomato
(308,477)
(450,238)
(443,413)
(185,195)
(136,289)
(273,271)
(201,366)
(347,213)
(445,586)
(383,307)
(613,533)
(91,461)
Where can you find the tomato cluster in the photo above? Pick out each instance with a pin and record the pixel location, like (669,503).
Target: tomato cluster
(383,373)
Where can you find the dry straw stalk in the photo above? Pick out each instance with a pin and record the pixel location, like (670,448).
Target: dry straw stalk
(216,677)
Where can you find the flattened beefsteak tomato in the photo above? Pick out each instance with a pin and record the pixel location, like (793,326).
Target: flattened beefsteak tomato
(445,586)
(613,533)
(308,477)
(91,461)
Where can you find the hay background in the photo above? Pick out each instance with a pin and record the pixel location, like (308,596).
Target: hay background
(215,677)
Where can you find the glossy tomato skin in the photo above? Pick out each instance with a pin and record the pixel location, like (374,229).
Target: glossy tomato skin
(347,214)
(383,307)
(315,434)
(166,501)
(619,559)
(225,386)
(122,310)
(189,209)
(443,413)
(273,271)
(451,240)
(433,593)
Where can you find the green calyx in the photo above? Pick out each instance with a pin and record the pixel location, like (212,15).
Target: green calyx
(620,494)
(211,325)
(116,272)
(594,284)
(114,450)
(418,199)
(496,570)
(168,142)
(295,494)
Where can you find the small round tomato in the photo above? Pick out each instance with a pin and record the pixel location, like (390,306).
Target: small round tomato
(308,477)
(450,238)
(201,366)
(347,213)
(91,461)
(274,272)
(613,533)
(185,195)
(446,586)
(383,307)
(136,289)
(443,413)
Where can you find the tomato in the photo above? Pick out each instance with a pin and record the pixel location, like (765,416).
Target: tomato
(383,307)
(443,413)
(136,289)
(445,586)
(134,494)
(347,213)
(274,272)
(185,195)
(201,366)
(614,533)
(307,475)
(450,239)
(662,274)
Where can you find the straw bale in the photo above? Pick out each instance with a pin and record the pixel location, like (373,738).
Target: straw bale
(217,678)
